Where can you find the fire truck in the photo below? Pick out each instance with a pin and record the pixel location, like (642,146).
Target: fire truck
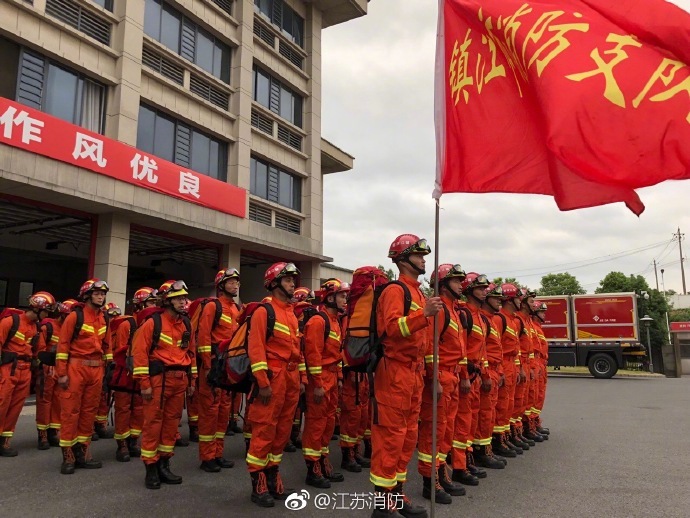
(598,331)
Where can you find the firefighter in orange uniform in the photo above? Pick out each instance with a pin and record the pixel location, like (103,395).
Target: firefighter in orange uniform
(322,356)
(165,371)
(526,312)
(542,357)
(17,330)
(47,395)
(129,406)
(214,404)
(494,353)
(79,365)
(100,425)
(452,361)
(275,367)
(398,380)
(510,343)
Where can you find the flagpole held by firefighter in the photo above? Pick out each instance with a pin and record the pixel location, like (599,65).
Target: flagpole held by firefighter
(435,382)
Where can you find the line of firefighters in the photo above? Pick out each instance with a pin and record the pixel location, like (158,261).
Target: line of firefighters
(491,379)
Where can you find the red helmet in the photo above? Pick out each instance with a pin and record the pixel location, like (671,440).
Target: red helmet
(66,306)
(225,274)
(172,288)
(539,306)
(304,294)
(42,301)
(526,293)
(92,285)
(276,272)
(474,280)
(143,294)
(447,271)
(332,287)
(494,290)
(510,291)
(407,244)
(112,310)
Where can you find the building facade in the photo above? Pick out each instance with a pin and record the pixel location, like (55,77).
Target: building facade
(142,140)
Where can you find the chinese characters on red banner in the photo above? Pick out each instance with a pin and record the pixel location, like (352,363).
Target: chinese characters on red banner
(43,134)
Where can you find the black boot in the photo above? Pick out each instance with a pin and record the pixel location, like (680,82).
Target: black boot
(122,452)
(490,453)
(384,504)
(516,439)
(447,484)
(327,470)
(133,447)
(465,477)
(361,460)
(103,432)
(180,441)
(229,432)
(43,440)
(367,449)
(509,444)
(83,457)
(53,438)
(521,434)
(543,431)
(260,494)
(164,473)
(193,433)
(289,447)
(67,467)
(349,462)
(499,447)
(314,476)
(152,481)
(294,436)
(336,433)
(408,509)
(225,463)
(530,434)
(483,458)
(209,466)
(441,497)
(472,467)
(235,426)
(275,484)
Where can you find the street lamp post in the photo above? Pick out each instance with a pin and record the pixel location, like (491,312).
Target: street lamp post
(647,320)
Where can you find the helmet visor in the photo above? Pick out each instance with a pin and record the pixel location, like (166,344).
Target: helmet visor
(456,271)
(481,280)
(289,269)
(100,286)
(420,247)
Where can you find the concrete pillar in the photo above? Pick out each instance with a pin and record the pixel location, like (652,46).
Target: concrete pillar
(310,274)
(112,255)
(230,258)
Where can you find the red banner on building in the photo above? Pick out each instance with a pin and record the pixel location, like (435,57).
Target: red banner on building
(582,100)
(43,134)
(680,327)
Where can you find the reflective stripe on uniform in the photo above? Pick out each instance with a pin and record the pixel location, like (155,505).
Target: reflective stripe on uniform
(166,339)
(62,356)
(315,370)
(138,371)
(225,318)
(308,452)
(275,458)
(259,366)
(477,329)
(203,349)
(206,438)
(281,328)
(335,336)
(404,330)
(383,482)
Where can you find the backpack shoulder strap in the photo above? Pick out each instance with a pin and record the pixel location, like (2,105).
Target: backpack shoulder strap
(466,318)
(327,329)
(407,296)
(446,321)
(488,325)
(132,328)
(13,329)
(270,319)
(218,314)
(79,323)
(157,329)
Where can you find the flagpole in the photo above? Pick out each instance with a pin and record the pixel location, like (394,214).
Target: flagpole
(434,381)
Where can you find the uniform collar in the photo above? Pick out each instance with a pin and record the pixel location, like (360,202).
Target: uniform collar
(409,280)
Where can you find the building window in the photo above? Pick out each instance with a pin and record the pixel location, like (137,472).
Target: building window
(59,91)
(272,94)
(272,184)
(284,17)
(186,38)
(174,141)
(105,4)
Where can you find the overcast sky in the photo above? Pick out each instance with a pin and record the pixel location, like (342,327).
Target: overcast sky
(378,89)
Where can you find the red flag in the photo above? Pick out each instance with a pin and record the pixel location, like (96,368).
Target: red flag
(583,100)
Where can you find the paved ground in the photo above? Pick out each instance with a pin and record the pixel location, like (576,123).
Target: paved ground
(619,448)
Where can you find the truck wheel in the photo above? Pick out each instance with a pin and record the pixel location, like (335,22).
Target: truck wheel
(602,366)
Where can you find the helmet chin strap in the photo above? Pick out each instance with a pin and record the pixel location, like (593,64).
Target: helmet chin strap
(330,305)
(406,259)
(95,303)
(280,286)
(477,299)
(456,296)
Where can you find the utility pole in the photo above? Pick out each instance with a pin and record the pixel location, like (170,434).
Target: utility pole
(656,276)
(682,268)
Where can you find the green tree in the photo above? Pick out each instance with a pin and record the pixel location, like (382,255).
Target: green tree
(507,280)
(679,315)
(388,271)
(654,304)
(560,284)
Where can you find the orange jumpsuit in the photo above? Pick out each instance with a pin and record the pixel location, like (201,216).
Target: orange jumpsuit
(214,408)
(322,358)
(129,406)
(488,400)
(541,355)
(15,377)
(354,405)
(47,399)
(398,383)
(510,344)
(82,361)
(163,412)
(452,365)
(526,359)
(275,363)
